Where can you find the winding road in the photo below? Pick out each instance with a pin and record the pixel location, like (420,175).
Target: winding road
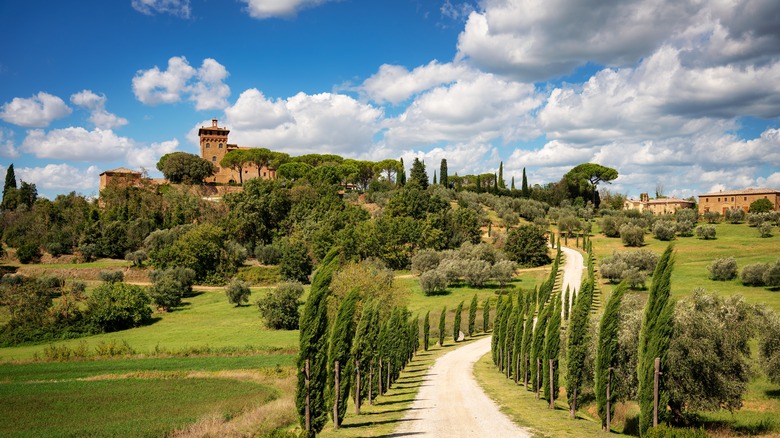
(451,403)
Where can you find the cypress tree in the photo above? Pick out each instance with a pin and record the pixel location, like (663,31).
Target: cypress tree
(537,346)
(340,348)
(577,344)
(552,344)
(509,340)
(442,323)
(525,192)
(418,175)
(486,315)
(479,184)
(472,316)
(506,311)
(495,183)
(566,303)
(654,338)
(434,177)
(384,350)
(606,353)
(426,330)
(314,346)
(402,174)
(9,188)
(500,181)
(456,323)
(495,340)
(364,346)
(528,332)
(443,178)
(517,346)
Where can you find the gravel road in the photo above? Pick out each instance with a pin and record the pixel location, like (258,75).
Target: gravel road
(573,268)
(451,403)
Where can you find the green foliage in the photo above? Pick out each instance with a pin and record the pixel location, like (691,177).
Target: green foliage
(418,177)
(258,211)
(184,168)
(169,286)
(632,235)
(735,215)
(527,245)
(578,343)
(486,315)
(552,344)
(705,232)
(769,347)
(664,230)
(630,266)
(528,332)
(268,254)
(456,322)
(583,179)
(442,325)
(340,346)
(279,308)
(111,276)
(472,316)
(443,177)
(664,431)
(433,282)
(118,306)
(294,263)
(607,354)
(293,171)
(723,269)
(762,205)
(9,189)
(654,338)
(259,275)
(29,252)
(365,344)
(426,330)
(137,258)
(537,346)
(772,275)
(237,292)
(753,275)
(526,193)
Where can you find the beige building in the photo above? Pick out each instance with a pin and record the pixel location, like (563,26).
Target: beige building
(121,177)
(723,200)
(657,206)
(214,146)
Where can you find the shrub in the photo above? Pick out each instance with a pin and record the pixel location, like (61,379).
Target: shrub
(259,275)
(632,235)
(765,229)
(503,271)
(723,269)
(268,254)
(684,228)
(686,215)
(137,258)
(761,206)
(294,262)
(237,292)
(527,245)
(169,286)
(29,252)
(664,230)
(118,306)
(476,272)
(712,217)
(705,232)
(610,226)
(633,266)
(756,219)
(433,282)
(111,276)
(772,275)
(425,260)
(280,307)
(735,215)
(753,275)
(452,269)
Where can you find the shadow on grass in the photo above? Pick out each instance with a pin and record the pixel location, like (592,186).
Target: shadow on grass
(773,393)
(376,423)
(759,427)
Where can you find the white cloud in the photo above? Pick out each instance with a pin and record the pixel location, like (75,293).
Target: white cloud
(97,105)
(7,146)
(60,177)
(395,84)
(76,143)
(253,110)
(177,8)
(147,157)
(279,8)
(462,158)
(205,85)
(36,112)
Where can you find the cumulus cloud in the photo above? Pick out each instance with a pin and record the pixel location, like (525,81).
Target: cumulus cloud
(395,84)
(279,8)
(463,158)
(177,8)
(7,146)
(204,85)
(61,177)
(304,123)
(96,104)
(147,157)
(36,112)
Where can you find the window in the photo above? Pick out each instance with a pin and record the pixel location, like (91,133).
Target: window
(214,159)
(220,145)
(263,174)
(208,145)
(718,199)
(706,199)
(745,198)
(732,199)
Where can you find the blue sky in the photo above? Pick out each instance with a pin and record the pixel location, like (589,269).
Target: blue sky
(678,95)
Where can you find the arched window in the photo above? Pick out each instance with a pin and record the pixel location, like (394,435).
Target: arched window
(220,145)
(208,145)
(214,159)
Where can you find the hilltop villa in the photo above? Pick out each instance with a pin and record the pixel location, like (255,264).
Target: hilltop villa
(213,147)
(723,200)
(657,206)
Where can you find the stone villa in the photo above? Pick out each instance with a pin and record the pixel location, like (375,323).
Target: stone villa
(657,206)
(723,200)
(214,146)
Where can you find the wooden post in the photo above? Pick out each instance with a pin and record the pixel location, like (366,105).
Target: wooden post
(525,374)
(357,387)
(379,378)
(552,393)
(371,385)
(573,405)
(336,398)
(508,363)
(609,401)
(388,373)
(538,376)
(655,390)
(517,368)
(308,399)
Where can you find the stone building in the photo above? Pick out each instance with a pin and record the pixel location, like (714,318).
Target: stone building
(657,206)
(122,177)
(721,201)
(214,146)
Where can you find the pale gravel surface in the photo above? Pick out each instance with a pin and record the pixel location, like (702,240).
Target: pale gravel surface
(451,403)
(573,268)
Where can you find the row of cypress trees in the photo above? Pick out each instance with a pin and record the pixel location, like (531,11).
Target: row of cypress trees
(357,340)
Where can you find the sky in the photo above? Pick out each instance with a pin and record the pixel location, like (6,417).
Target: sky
(682,97)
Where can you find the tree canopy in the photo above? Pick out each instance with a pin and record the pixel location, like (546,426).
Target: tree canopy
(184,168)
(585,178)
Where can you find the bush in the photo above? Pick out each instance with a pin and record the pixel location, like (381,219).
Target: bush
(632,235)
(425,260)
(137,258)
(280,307)
(772,275)
(118,306)
(756,219)
(684,228)
(664,431)
(170,286)
(705,232)
(294,262)
(268,254)
(433,282)
(735,215)
(686,215)
(610,226)
(753,275)
(712,217)
(111,276)
(259,275)
(765,229)
(527,245)
(633,266)
(503,271)
(761,206)
(476,272)
(723,269)
(237,292)
(664,230)
(29,252)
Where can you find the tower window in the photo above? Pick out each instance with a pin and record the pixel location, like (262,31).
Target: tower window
(220,145)
(214,159)
(208,145)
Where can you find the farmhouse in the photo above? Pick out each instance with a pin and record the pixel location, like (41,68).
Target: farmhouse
(657,206)
(214,146)
(721,201)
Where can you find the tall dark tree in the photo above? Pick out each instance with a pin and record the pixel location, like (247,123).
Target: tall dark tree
(525,192)
(501,183)
(364,346)
(442,325)
(654,339)
(495,340)
(472,316)
(513,183)
(486,315)
(434,177)
(527,245)
(314,347)
(552,344)
(418,176)
(340,351)
(607,354)
(578,343)
(9,189)
(517,348)
(527,341)
(537,346)
(456,322)
(443,177)
(426,330)
(509,340)
(402,174)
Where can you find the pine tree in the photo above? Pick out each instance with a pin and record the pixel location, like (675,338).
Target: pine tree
(426,330)
(418,176)
(402,174)
(501,184)
(456,323)
(442,327)
(654,338)
(486,315)
(364,346)
(552,341)
(443,178)
(524,187)
(340,348)
(314,346)
(434,177)
(606,353)
(578,344)
(472,316)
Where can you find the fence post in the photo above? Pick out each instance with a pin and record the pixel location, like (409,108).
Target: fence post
(552,393)
(357,388)
(538,376)
(371,385)
(308,399)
